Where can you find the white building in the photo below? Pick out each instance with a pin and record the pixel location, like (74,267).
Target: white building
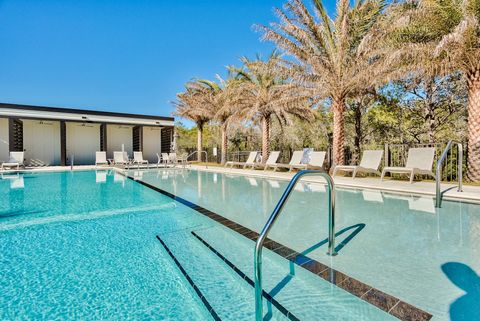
(50,136)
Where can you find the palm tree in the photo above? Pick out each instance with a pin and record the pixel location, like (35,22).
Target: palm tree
(263,93)
(444,36)
(333,56)
(221,101)
(195,104)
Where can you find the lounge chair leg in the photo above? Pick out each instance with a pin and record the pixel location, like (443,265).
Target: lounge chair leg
(412,175)
(383,175)
(354,173)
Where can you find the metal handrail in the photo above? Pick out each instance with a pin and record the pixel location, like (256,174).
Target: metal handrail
(438,178)
(201,152)
(271,221)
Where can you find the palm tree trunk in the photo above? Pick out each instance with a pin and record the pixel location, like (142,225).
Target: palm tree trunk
(430,110)
(358,134)
(224,143)
(265,138)
(473,161)
(338,108)
(199,141)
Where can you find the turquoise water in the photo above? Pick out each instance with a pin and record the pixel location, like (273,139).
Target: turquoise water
(399,244)
(82,245)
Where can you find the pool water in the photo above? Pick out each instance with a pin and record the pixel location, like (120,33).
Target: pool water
(86,245)
(399,244)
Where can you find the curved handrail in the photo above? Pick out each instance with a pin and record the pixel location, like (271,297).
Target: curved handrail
(438,177)
(201,152)
(271,221)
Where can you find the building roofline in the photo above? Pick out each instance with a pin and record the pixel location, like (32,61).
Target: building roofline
(82,111)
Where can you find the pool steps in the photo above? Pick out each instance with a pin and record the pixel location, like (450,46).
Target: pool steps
(205,302)
(266,295)
(227,293)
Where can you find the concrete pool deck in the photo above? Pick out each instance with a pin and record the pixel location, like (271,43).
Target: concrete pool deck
(470,193)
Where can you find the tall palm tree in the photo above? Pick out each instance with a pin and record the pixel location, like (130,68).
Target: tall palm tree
(221,100)
(333,55)
(263,93)
(195,104)
(443,35)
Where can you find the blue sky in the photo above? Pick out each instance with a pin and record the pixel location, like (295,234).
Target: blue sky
(118,55)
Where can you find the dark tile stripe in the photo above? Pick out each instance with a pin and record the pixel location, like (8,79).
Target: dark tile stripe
(400,309)
(266,295)
(194,286)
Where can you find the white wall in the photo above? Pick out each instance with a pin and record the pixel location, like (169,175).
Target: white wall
(83,140)
(4,151)
(151,143)
(118,135)
(41,141)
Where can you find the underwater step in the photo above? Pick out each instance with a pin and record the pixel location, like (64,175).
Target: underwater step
(229,295)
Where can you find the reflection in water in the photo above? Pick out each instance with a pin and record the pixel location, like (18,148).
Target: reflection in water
(252,181)
(199,186)
(101,177)
(274,184)
(372,196)
(16,180)
(467,307)
(119,178)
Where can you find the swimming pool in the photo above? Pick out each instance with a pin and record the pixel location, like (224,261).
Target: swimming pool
(96,245)
(399,244)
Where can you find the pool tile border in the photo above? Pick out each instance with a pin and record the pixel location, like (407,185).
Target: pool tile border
(394,306)
(190,281)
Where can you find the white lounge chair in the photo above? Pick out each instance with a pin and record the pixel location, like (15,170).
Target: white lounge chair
(317,159)
(419,161)
(159,160)
(165,159)
(101,158)
(294,161)
(138,159)
(16,160)
(120,158)
(271,161)
(250,161)
(369,164)
(175,159)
